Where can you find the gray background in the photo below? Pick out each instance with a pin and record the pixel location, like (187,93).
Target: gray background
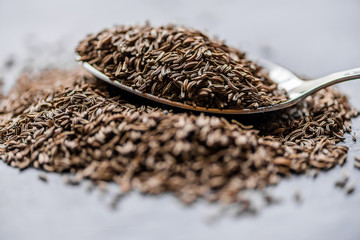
(310,37)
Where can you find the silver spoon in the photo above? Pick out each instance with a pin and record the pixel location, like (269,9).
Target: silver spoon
(296,88)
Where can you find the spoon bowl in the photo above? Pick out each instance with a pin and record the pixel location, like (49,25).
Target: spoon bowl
(296,88)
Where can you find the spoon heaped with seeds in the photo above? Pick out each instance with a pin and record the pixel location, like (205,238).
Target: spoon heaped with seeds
(184,68)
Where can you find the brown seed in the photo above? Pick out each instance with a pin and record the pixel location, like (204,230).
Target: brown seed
(342,182)
(91,131)
(185,53)
(43,177)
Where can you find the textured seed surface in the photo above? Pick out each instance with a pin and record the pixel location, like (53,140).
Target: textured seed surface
(180,64)
(68,121)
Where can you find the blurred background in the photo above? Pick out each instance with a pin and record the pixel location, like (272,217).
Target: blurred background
(310,37)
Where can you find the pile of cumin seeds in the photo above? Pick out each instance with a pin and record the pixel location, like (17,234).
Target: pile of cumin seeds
(180,64)
(67,120)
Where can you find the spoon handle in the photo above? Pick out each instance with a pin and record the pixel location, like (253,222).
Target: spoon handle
(312,86)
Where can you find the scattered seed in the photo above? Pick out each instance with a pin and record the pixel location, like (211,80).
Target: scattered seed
(316,173)
(90,188)
(357,164)
(43,177)
(115,201)
(270,199)
(71,181)
(351,188)
(298,197)
(342,182)
(10,62)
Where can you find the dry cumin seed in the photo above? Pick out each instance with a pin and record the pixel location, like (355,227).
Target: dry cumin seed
(115,201)
(342,182)
(357,164)
(185,51)
(43,177)
(351,188)
(156,150)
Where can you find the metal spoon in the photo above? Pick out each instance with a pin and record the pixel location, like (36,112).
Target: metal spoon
(296,88)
